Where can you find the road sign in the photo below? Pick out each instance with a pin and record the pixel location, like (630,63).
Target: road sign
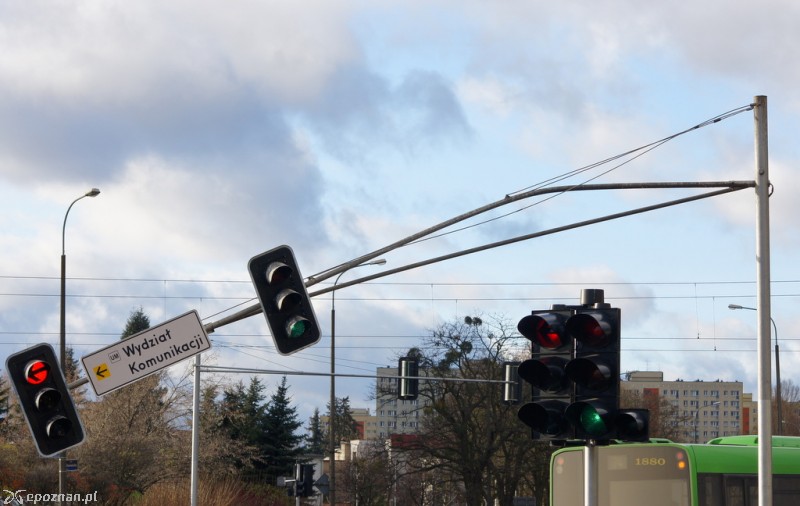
(71,464)
(146,353)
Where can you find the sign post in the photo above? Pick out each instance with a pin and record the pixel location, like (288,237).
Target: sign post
(146,353)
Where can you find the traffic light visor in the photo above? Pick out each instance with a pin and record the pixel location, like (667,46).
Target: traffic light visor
(590,329)
(592,420)
(546,417)
(546,330)
(297,326)
(590,373)
(278,273)
(37,372)
(545,374)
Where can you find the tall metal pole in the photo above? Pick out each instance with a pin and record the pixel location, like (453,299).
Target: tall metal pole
(62,462)
(590,479)
(763,304)
(195,433)
(331,415)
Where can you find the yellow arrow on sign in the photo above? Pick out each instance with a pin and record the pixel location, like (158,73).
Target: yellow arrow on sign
(101,371)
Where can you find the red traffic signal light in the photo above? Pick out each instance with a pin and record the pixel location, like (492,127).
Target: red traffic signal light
(284,299)
(37,372)
(45,399)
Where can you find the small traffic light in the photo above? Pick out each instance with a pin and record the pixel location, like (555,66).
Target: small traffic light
(552,392)
(45,399)
(303,480)
(512,389)
(633,425)
(595,372)
(284,300)
(408,384)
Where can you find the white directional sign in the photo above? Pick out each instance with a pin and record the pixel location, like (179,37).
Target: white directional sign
(145,353)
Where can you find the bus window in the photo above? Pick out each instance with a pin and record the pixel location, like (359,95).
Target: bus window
(567,481)
(709,489)
(786,490)
(734,491)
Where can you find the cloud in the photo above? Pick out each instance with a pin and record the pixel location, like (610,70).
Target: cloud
(87,88)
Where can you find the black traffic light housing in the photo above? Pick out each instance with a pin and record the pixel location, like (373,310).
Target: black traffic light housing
(595,372)
(552,392)
(512,390)
(633,425)
(407,382)
(284,299)
(574,372)
(45,399)
(303,480)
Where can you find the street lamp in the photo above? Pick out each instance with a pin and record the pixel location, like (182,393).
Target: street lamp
(697,419)
(777,367)
(331,438)
(63,333)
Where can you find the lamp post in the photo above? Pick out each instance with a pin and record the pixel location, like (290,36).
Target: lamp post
(331,414)
(63,333)
(697,419)
(777,367)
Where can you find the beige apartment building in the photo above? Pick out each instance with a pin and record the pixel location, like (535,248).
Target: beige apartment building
(705,409)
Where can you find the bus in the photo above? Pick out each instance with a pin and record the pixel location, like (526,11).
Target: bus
(722,472)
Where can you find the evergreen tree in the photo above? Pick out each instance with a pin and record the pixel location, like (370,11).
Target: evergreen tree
(342,422)
(281,442)
(315,441)
(242,416)
(137,322)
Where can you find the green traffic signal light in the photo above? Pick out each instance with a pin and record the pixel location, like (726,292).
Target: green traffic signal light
(591,419)
(296,327)
(592,422)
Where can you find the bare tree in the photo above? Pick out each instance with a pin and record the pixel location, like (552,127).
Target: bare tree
(468,434)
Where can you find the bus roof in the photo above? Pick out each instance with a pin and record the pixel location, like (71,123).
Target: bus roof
(752,440)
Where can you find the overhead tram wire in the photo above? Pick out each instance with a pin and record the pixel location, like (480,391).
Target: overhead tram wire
(334,271)
(509,198)
(633,153)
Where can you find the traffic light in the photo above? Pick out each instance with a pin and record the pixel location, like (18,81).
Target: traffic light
(595,372)
(303,480)
(512,389)
(408,384)
(633,425)
(45,399)
(284,300)
(552,391)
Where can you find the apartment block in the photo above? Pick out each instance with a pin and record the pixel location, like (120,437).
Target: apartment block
(705,409)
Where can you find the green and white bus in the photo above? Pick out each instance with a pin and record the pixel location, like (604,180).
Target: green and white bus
(723,472)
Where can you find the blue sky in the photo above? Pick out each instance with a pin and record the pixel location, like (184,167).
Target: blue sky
(216,132)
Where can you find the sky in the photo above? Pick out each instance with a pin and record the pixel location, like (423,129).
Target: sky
(216,132)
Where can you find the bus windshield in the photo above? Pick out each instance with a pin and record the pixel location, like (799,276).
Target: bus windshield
(627,476)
